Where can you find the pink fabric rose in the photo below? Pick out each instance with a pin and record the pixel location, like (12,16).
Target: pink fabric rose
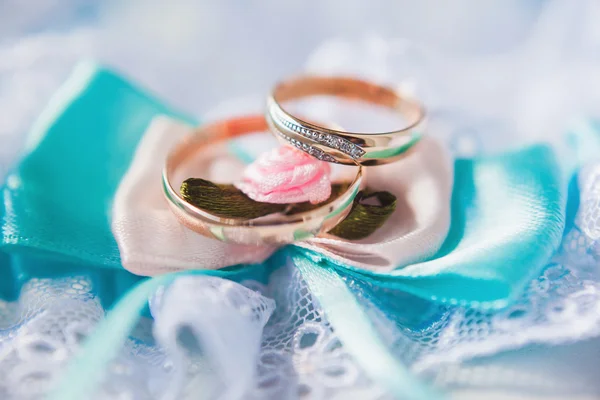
(286,175)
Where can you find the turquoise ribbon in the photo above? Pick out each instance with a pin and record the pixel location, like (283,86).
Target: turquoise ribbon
(58,199)
(508,214)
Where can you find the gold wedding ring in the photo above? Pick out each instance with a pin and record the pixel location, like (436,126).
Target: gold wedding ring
(271,229)
(337,146)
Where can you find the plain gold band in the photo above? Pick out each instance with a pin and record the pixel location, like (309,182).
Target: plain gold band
(272,229)
(373,148)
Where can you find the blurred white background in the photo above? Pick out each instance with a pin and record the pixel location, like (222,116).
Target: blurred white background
(519,68)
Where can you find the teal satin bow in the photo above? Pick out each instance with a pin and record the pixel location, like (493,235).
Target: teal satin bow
(508,214)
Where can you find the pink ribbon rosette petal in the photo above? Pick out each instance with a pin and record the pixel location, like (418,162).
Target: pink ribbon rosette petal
(286,175)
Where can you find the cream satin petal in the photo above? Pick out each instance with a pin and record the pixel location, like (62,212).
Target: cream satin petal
(151,240)
(422,183)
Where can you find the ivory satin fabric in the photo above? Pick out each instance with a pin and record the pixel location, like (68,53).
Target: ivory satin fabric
(152,241)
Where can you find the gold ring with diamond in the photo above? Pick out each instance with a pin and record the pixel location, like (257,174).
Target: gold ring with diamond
(337,146)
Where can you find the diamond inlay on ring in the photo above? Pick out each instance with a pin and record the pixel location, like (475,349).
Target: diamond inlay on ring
(313,151)
(329,140)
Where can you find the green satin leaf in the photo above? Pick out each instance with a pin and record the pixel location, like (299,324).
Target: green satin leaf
(228,201)
(365,218)
(225,200)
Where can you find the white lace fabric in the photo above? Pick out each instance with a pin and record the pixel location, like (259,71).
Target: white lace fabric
(299,354)
(296,352)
